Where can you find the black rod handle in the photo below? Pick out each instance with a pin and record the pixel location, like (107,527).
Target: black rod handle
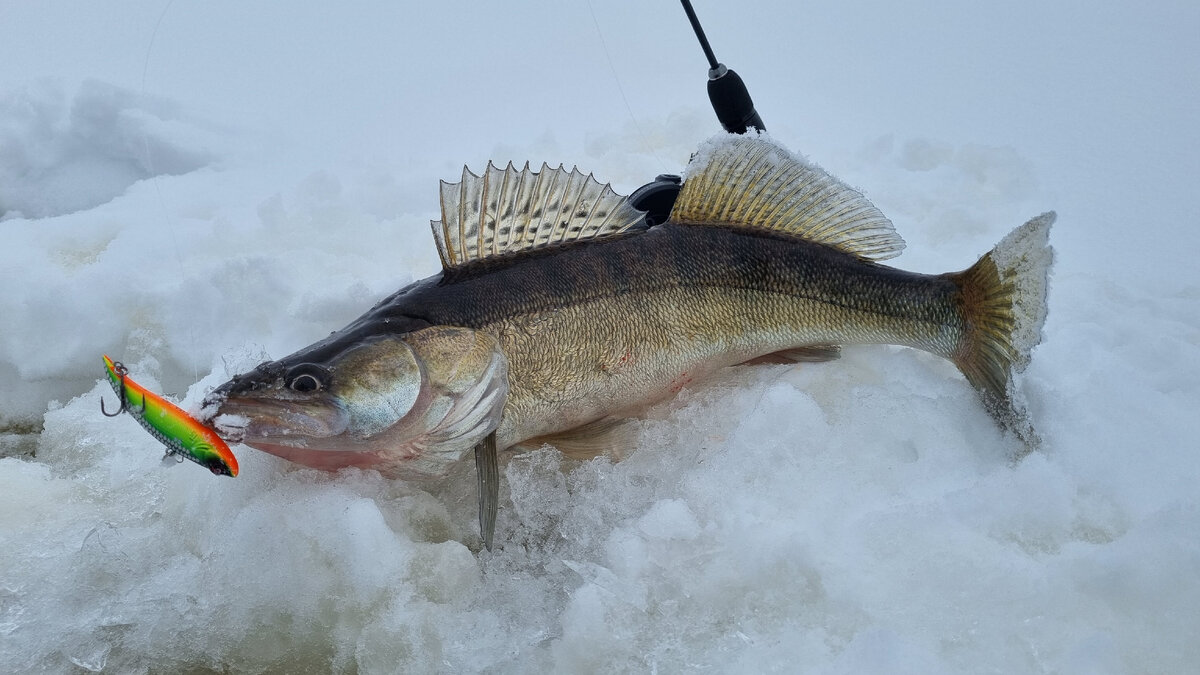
(731,101)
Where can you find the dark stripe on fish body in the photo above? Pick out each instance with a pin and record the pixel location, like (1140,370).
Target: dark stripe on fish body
(671,256)
(661,259)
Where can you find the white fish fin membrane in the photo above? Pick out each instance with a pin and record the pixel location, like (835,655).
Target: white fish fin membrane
(509,210)
(1024,258)
(613,437)
(751,181)
(1005,305)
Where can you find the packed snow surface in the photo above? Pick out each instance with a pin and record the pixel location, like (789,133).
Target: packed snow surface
(193,187)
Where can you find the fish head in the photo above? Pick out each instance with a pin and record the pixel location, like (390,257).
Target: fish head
(408,404)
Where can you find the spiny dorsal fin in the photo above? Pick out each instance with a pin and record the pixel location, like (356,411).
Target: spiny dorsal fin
(509,210)
(750,181)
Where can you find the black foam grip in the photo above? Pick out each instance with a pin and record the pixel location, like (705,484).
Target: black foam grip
(732,103)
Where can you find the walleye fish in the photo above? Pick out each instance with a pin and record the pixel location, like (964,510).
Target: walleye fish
(559,313)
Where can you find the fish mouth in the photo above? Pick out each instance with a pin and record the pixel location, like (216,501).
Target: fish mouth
(284,423)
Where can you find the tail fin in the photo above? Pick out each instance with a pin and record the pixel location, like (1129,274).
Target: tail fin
(1004,305)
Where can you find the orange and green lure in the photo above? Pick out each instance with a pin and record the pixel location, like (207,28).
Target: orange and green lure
(183,436)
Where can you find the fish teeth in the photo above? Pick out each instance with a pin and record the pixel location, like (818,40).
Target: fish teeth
(231,427)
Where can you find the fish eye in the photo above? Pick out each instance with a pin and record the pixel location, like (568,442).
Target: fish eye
(307,378)
(305,383)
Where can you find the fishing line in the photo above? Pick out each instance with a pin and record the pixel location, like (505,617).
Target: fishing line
(608,57)
(149,160)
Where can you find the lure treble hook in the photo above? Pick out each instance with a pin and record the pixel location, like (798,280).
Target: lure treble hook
(121,371)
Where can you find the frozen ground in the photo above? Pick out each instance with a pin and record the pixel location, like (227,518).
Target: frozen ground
(191,186)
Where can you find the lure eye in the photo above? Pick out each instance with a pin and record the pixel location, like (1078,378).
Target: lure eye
(307,378)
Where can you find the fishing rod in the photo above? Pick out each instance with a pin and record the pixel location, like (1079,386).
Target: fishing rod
(735,111)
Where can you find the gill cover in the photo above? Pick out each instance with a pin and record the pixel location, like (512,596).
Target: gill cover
(377,383)
(463,387)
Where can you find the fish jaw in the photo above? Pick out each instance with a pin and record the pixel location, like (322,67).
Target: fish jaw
(310,440)
(250,418)
(325,460)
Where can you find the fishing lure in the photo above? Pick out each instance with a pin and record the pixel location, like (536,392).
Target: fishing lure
(183,436)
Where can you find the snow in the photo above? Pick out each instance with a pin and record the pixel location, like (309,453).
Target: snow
(191,187)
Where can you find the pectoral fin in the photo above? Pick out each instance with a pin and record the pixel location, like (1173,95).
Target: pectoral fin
(612,436)
(812,354)
(486,466)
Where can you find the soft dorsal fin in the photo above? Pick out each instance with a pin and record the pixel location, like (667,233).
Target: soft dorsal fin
(510,210)
(750,181)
